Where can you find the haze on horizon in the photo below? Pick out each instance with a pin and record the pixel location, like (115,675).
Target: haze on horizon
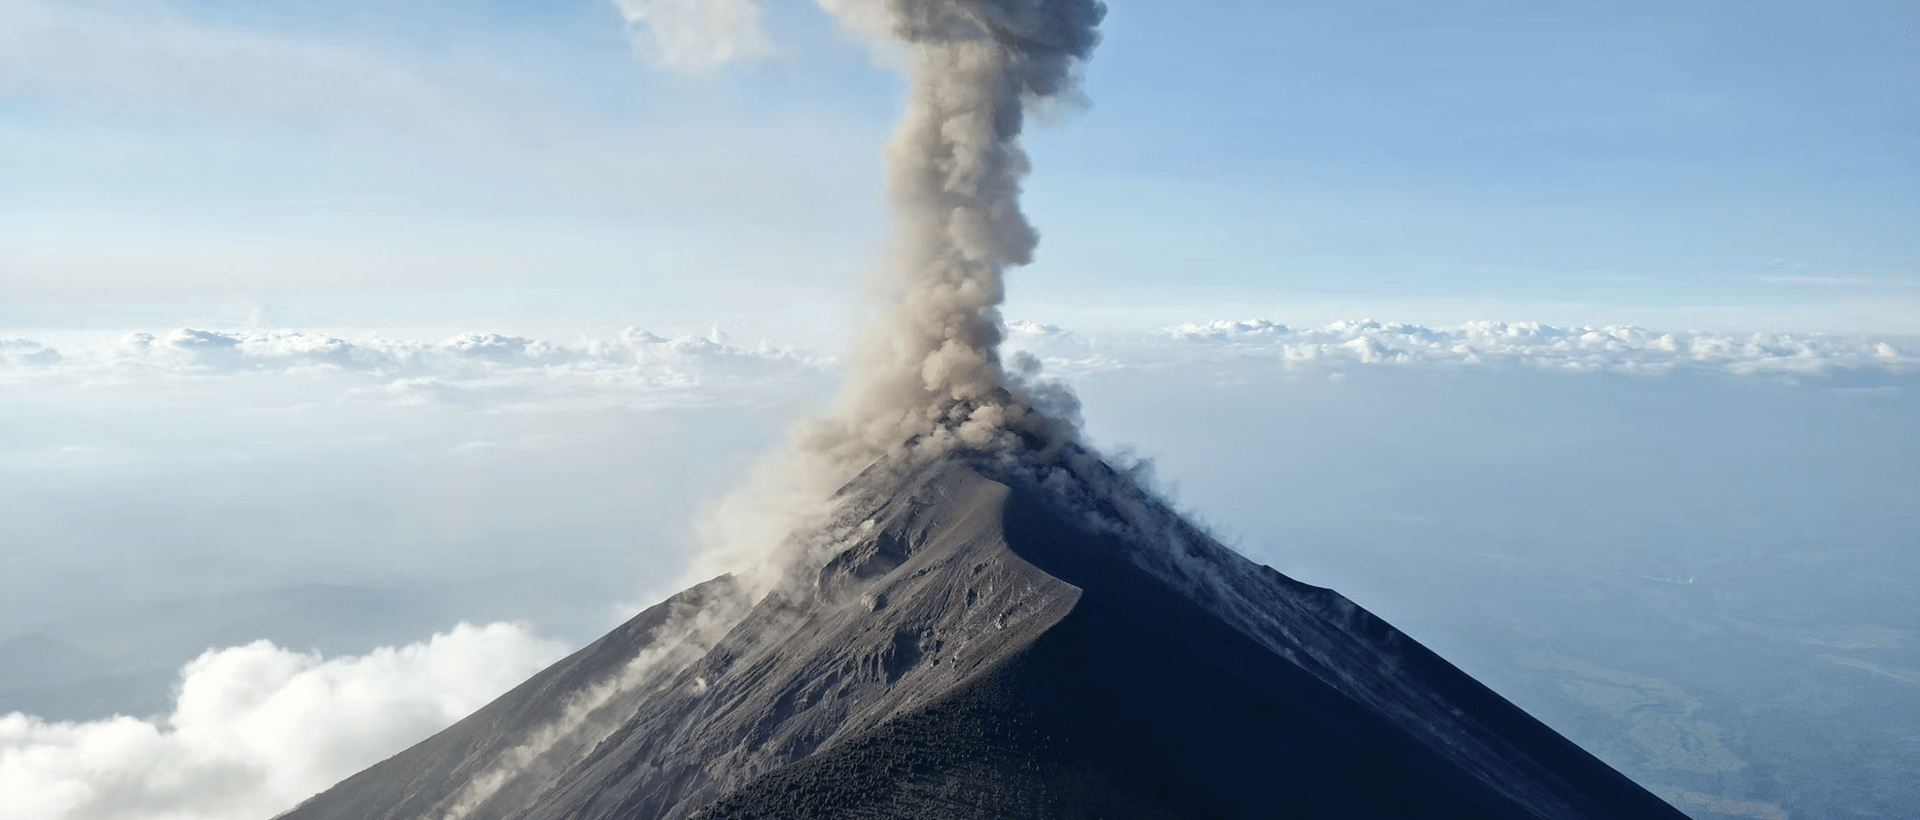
(338,325)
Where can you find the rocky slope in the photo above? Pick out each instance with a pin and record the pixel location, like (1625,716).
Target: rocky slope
(987,640)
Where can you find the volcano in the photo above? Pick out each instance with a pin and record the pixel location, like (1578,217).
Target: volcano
(980,638)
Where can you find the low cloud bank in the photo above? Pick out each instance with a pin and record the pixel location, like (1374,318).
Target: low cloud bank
(1481,344)
(465,355)
(634,365)
(257,728)
(641,368)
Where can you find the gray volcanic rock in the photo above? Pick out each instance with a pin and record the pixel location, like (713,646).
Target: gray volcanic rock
(995,640)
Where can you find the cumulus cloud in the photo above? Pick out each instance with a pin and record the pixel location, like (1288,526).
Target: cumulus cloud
(638,367)
(26,353)
(267,350)
(257,728)
(633,366)
(1480,344)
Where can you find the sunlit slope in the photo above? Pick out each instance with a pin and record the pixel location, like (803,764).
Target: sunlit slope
(981,646)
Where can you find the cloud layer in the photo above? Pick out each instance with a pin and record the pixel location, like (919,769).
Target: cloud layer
(129,449)
(257,728)
(700,367)
(1347,345)
(633,367)
(466,354)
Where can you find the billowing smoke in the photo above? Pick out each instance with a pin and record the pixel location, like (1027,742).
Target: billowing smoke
(931,373)
(929,377)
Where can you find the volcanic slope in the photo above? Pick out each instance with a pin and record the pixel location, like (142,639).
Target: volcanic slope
(981,640)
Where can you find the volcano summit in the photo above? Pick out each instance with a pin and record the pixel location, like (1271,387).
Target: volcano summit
(986,621)
(984,638)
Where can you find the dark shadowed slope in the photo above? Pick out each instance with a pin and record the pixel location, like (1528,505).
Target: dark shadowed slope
(996,642)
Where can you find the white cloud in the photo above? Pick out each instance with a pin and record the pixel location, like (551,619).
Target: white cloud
(696,35)
(633,366)
(257,728)
(637,367)
(703,35)
(1480,344)
(27,353)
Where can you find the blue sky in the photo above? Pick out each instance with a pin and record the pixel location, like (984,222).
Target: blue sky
(378,258)
(494,166)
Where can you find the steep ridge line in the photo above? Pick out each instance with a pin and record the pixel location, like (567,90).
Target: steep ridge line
(991,638)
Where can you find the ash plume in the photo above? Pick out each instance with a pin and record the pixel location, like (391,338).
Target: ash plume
(928,378)
(931,373)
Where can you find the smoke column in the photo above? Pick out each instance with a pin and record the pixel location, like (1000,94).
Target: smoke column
(928,377)
(931,373)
